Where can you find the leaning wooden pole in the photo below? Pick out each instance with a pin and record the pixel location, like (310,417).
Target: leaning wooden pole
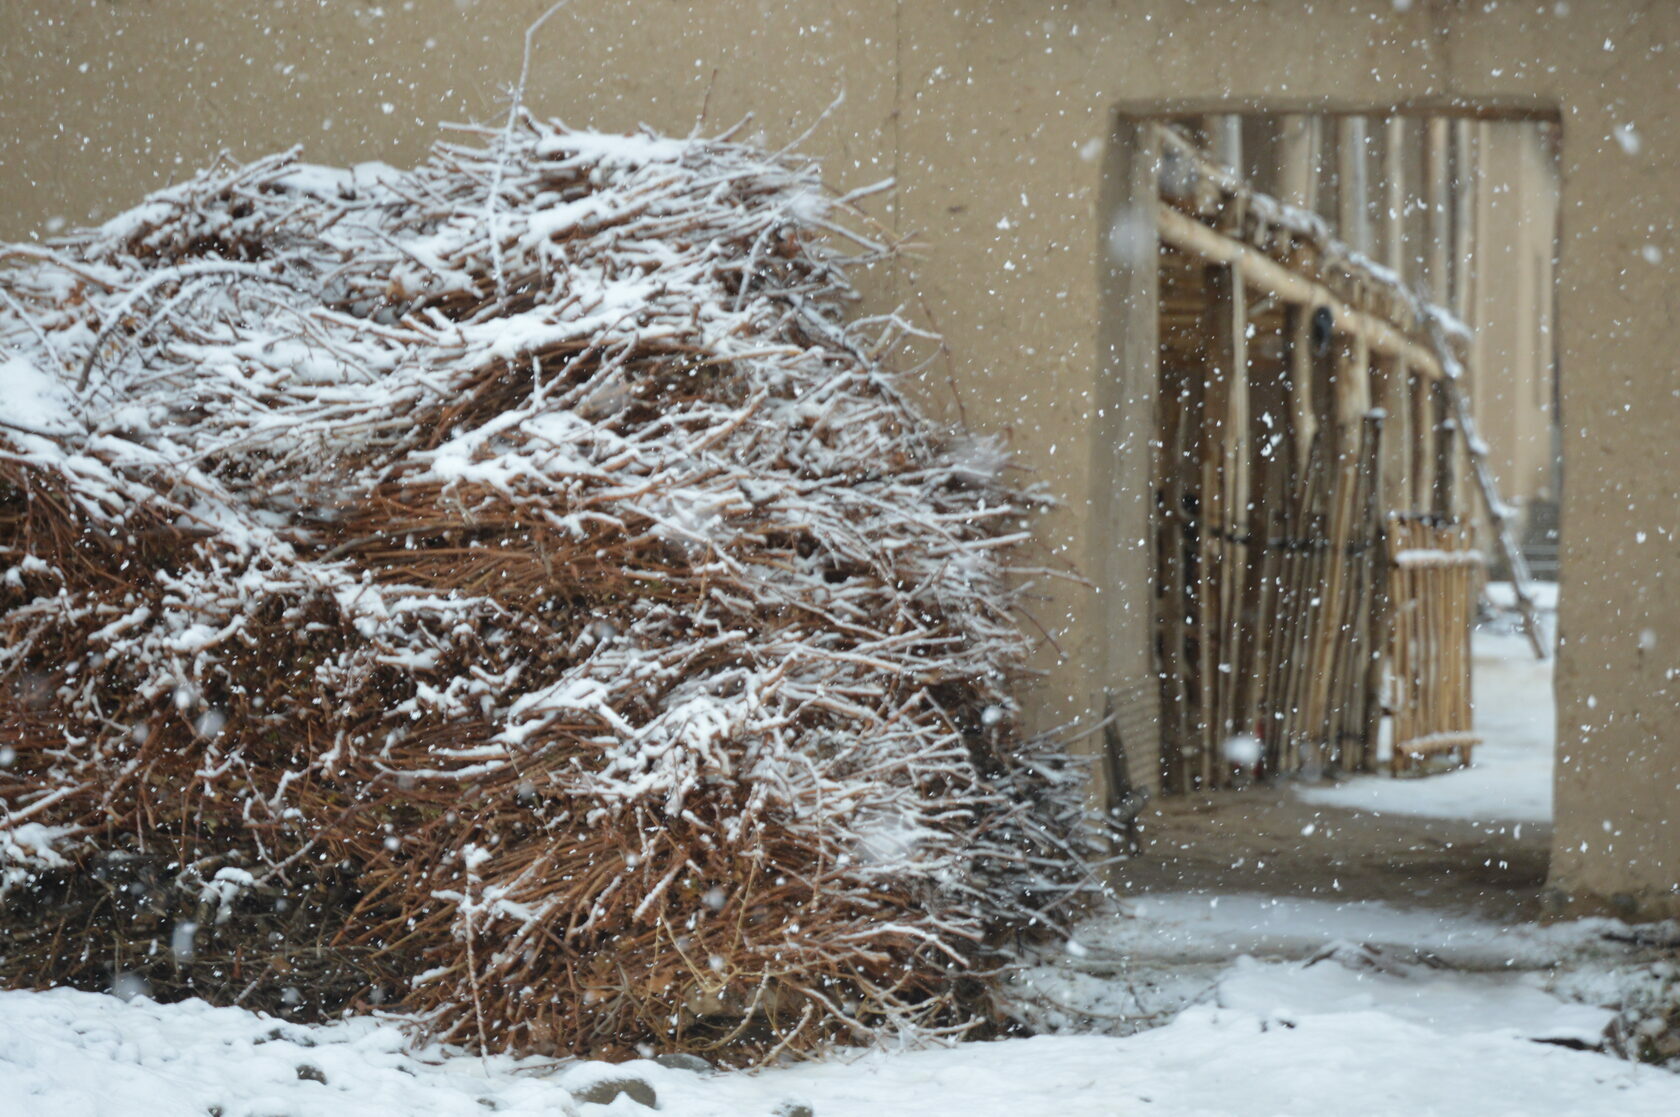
(1173,565)
(1222,470)
(1452,357)
(1300,591)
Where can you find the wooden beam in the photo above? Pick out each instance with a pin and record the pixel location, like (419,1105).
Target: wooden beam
(1261,271)
(1223,469)
(1531,108)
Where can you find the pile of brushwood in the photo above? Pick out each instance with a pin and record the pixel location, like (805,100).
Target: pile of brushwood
(510,591)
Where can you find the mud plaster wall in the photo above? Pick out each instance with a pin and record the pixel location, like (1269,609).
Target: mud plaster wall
(994,117)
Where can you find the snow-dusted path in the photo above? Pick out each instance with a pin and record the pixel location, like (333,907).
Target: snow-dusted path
(1277,1038)
(1165,928)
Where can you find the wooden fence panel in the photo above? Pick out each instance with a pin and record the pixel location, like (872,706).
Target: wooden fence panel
(1431,590)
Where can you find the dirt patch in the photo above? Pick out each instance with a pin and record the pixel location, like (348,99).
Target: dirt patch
(1266,840)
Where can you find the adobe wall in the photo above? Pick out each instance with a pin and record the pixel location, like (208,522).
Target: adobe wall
(995,117)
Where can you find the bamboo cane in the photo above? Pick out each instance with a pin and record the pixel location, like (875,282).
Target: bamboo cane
(1367,663)
(1307,605)
(1344,636)
(1236,600)
(1173,543)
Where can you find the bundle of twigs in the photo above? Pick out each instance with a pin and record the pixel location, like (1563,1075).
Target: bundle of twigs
(511,589)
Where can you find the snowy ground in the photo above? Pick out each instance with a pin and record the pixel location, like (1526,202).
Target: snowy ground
(1176,927)
(1177,1005)
(1347,1034)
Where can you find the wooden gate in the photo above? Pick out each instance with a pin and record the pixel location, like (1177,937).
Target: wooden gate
(1270,578)
(1432,572)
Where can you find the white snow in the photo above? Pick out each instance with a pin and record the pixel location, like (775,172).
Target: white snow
(1502,595)
(1272,1038)
(1183,927)
(27,847)
(1452,1003)
(31,400)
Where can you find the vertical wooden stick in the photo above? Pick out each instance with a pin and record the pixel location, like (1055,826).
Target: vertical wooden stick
(1222,458)
(1374,644)
(1173,565)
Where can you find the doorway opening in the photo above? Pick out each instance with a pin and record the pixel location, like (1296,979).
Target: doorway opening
(1355,460)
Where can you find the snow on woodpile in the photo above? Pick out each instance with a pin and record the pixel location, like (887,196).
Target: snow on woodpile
(513,591)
